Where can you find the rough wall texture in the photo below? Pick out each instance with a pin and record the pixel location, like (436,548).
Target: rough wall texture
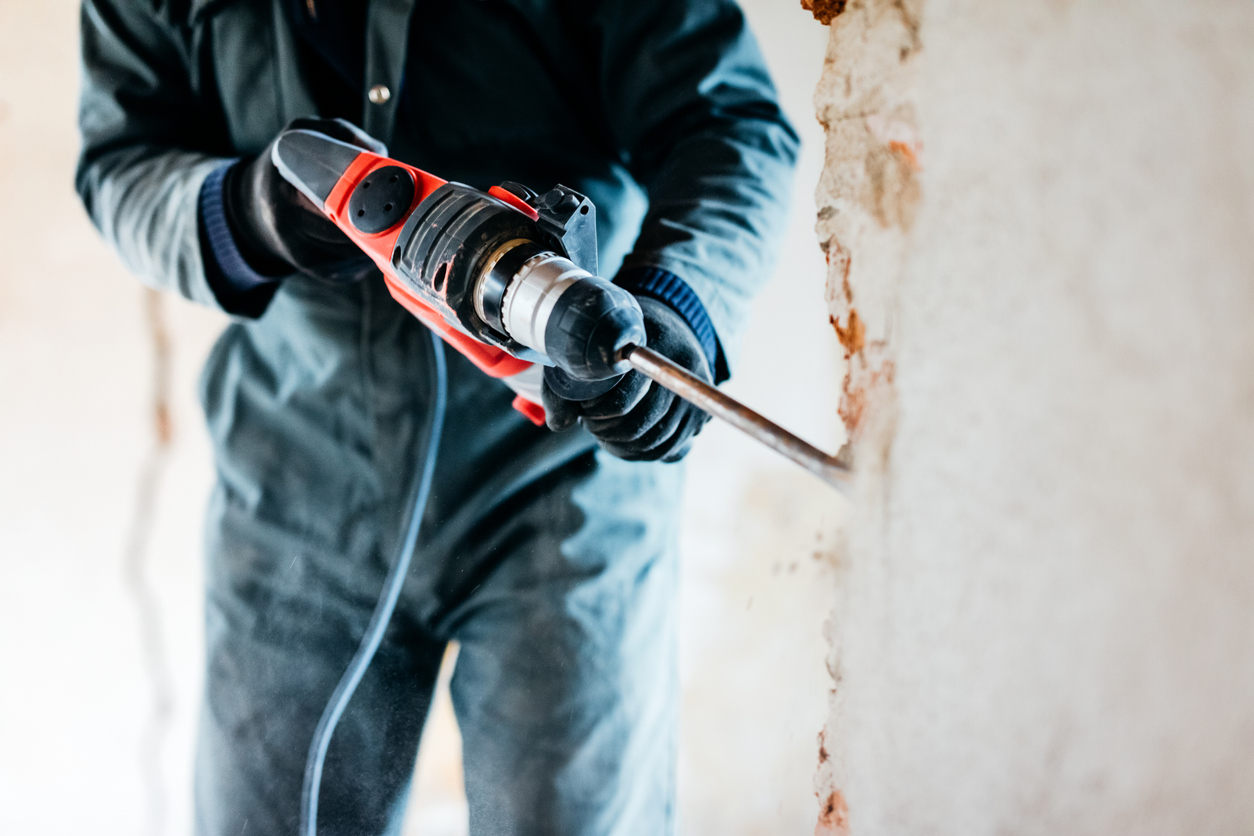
(1039,221)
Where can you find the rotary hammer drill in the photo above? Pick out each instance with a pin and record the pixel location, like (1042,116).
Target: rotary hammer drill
(508,277)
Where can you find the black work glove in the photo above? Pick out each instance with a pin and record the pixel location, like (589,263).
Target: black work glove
(277,229)
(639,420)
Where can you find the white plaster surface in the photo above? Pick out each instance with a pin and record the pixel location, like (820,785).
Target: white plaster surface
(1046,613)
(75,369)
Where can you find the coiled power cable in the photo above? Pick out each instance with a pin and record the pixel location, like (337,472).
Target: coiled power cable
(382,612)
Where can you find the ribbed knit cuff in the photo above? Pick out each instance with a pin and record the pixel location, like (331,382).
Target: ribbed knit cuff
(240,277)
(666,287)
(238,287)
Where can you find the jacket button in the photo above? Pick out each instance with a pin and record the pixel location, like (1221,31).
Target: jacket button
(379,94)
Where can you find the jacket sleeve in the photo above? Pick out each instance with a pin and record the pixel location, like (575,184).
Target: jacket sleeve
(138,174)
(688,96)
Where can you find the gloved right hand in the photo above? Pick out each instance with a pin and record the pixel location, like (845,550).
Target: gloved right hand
(277,229)
(638,420)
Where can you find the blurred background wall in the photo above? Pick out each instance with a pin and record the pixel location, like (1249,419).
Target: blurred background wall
(1040,222)
(100,524)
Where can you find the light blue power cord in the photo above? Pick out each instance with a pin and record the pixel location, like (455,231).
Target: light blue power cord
(382,612)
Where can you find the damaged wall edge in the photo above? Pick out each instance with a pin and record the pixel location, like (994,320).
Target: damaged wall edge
(867,200)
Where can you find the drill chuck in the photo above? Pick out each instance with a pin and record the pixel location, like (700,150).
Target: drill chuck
(544,301)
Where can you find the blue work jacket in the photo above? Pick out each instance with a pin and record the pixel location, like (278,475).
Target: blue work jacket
(661,111)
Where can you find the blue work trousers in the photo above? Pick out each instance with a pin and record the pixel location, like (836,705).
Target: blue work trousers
(550,562)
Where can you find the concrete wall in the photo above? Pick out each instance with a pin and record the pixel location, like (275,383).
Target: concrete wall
(1039,218)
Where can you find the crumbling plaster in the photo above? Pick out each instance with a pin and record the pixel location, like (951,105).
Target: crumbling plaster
(1039,223)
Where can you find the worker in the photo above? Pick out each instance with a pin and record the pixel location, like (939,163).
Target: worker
(548,556)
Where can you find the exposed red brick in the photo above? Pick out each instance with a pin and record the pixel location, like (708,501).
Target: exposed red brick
(834,817)
(824,11)
(907,151)
(853,335)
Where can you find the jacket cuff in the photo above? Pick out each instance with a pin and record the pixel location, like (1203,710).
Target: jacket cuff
(239,288)
(666,287)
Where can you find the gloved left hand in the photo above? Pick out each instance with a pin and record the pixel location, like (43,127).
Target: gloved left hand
(278,229)
(638,420)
